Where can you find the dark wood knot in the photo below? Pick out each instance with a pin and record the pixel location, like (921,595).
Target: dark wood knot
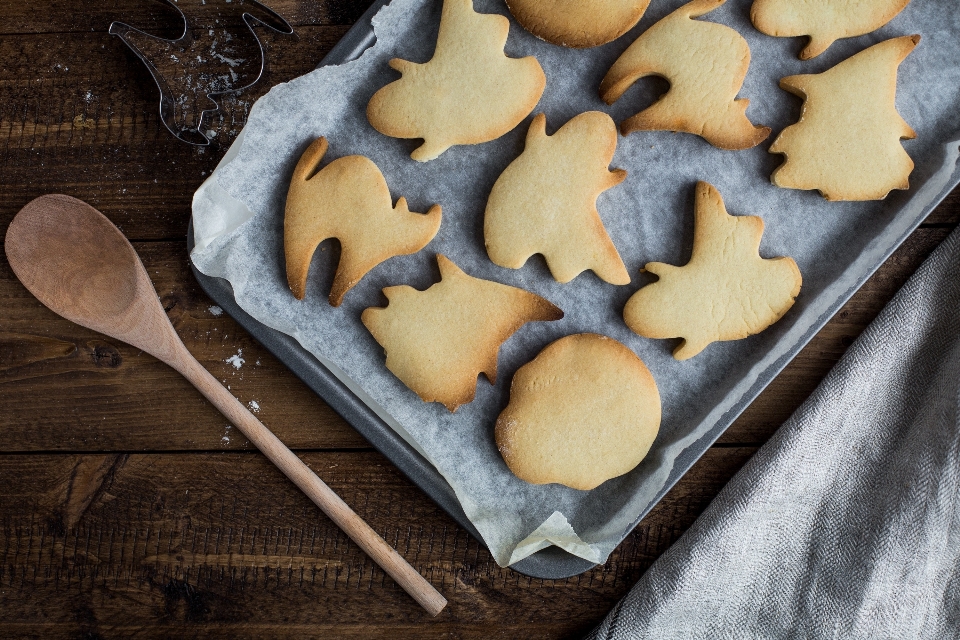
(105,355)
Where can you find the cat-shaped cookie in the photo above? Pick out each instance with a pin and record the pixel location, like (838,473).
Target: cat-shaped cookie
(349,200)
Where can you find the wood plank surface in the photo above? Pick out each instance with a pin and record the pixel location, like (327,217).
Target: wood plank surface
(128,506)
(96,126)
(220,542)
(157,17)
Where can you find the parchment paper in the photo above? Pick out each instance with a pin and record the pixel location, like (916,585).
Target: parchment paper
(238,219)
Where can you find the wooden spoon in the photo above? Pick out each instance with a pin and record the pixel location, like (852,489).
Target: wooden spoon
(71,257)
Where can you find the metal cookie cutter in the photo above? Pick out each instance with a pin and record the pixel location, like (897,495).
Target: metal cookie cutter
(204,63)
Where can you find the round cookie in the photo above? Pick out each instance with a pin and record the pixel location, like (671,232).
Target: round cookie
(578,23)
(585,410)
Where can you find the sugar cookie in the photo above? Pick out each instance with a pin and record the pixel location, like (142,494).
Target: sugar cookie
(545,201)
(585,410)
(439,340)
(469,92)
(726,291)
(578,23)
(823,20)
(705,64)
(349,200)
(847,144)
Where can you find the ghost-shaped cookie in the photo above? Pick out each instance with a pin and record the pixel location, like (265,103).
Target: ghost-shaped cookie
(439,340)
(469,92)
(545,201)
(705,63)
(726,291)
(823,20)
(847,143)
(348,200)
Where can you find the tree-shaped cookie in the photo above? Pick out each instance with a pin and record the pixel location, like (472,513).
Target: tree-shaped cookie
(823,20)
(847,142)
(705,64)
(578,23)
(469,92)
(545,201)
(439,340)
(726,291)
(349,200)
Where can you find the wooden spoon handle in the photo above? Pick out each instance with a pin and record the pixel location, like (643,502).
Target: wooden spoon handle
(315,488)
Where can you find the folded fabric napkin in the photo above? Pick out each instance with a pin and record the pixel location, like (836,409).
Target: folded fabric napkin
(846,524)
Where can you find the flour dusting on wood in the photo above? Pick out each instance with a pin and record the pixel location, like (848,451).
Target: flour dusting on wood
(236,360)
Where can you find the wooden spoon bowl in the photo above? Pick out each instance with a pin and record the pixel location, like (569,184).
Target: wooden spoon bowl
(77,263)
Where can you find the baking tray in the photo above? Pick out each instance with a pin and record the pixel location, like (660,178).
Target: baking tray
(552,562)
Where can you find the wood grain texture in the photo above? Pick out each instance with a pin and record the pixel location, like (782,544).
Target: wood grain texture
(67,388)
(155,16)
(96,123)
(218,542)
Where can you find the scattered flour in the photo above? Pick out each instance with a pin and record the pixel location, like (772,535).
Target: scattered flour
(236,360)
(226,435)
(254,406)
(229,61)
(215,311)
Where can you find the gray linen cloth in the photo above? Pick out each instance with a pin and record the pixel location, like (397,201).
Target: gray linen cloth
(846,524)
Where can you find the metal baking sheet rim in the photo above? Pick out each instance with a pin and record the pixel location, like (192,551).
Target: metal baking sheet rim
(551,562)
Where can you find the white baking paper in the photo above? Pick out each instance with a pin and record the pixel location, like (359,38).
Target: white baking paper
(238,218)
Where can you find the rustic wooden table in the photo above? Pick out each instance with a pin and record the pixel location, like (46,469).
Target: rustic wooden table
(127,503)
